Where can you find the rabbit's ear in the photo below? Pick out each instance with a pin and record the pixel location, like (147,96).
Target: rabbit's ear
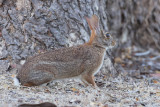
(93,22)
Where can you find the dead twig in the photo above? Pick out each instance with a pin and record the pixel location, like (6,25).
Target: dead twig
(143,53)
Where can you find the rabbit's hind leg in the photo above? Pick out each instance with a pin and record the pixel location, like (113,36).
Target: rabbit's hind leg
(88,79)
(29,84)
(37,78)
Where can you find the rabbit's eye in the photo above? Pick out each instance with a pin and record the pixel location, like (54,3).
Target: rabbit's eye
(108,35)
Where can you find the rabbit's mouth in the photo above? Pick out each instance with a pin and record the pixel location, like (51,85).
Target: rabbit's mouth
(113,43)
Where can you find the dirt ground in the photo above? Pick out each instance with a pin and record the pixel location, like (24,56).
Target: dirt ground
(122,91)
(28,27)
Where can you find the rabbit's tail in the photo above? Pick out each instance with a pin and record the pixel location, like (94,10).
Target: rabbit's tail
(16,81)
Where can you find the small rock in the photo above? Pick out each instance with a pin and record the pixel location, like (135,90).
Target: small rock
(100,84)
(46,104)
(77,101)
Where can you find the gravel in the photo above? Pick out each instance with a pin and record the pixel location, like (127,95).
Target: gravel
(111,92)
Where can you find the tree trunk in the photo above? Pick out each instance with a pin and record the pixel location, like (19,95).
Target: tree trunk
(135,22)
(30,26)
(33,25)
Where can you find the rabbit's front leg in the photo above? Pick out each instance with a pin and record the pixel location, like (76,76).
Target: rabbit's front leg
(88,79)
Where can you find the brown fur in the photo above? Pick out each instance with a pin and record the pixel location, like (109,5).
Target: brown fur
(92,37)
(83,61)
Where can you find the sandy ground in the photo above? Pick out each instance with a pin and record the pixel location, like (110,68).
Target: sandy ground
(112,92)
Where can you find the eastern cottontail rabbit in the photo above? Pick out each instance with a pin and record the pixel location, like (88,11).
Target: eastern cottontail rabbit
(79,61)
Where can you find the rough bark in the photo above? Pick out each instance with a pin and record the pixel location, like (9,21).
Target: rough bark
(135,22)
(31,25)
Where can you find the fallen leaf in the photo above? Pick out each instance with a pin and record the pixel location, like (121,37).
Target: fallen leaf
(118,60)
(123,65)
(155,81)
(13,76)
(106,105)
(47,91)
(157,71)
(74,90)
(137,99)
(128,56)
(49,34)
(158,94)
(157,75)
